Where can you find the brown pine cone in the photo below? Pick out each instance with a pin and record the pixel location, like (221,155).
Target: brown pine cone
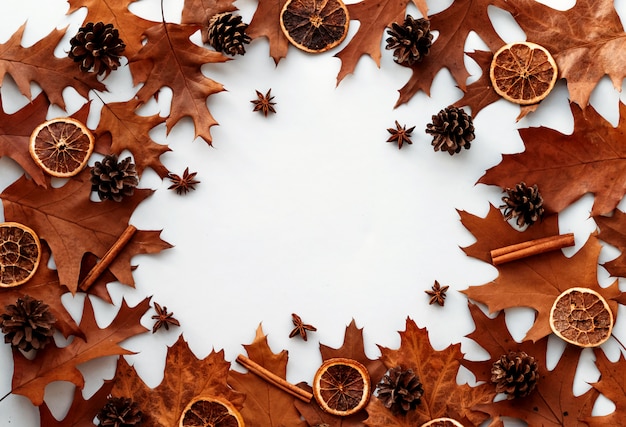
(452,129)
(28,324)
(227,33)
(524,203)
(113,180)
(515,374)
(97,47)
(411,41)
(120,412)
(400,390)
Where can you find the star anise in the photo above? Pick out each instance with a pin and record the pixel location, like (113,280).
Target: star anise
(300,327)
(400,134)
(163,318)
(264,103)
(183,184)
(437,294)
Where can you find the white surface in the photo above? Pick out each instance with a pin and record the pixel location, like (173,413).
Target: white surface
(307,211)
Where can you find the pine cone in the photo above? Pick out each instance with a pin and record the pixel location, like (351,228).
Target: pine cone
(97,47)
(226,33)
(28,324)
(452,129)
(120,412)
(400,390)
(411,41)
(113,180)
(524,203)
(515,374)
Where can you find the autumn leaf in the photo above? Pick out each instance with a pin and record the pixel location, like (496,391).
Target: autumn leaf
(185,378)
(30,377)
(72,224)
(199,12)
(613,231)
(612,385)
(81,412)
(170,59)
(437,371)
(37,64)
(565,167)
(536,281)
(266,23)
(266,405)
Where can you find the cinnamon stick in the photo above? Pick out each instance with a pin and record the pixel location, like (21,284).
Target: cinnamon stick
(274,379)
(108,258)
(530,248)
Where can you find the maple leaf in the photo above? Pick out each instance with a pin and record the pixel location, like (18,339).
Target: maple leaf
(81,412)
(536,281)
(30,377)
(437,371)
(612,385)
(266,23)
(266,405)
(565,167)
(130,131)
(613,231)
(185,378)
(199,12)
(170,59)
(72,224)
(38,64)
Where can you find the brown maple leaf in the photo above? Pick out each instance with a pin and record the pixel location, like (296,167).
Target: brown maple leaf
(30,377)
(185,377)
(81,412)
(266,23)
(566,167)
(170,59)
(73,225)
(266,405)
(612,385)
(613,231)
(199,12)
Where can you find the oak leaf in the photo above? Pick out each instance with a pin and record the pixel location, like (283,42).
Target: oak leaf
(266,405)
(266,23)
(170,59)
(536,281)
(81,413)
(185,378)
(199,12)
(30,377)
(73,225)
(613,231)
(612,384)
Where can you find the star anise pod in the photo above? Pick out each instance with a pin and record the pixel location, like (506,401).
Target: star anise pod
(264,103)
(183,184)
(400,134)
(163,318)
(437,294)
(300,327)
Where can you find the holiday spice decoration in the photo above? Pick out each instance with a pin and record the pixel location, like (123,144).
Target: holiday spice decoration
(69,217)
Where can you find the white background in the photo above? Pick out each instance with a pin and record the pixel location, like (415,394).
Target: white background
(308,210)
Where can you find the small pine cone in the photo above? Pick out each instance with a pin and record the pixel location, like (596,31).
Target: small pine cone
(400,390)
(452,129)
(113,180)
(120,412)
(97,47)
(524,203)
(227,33)
(28,324)
(515,374)
(411,41)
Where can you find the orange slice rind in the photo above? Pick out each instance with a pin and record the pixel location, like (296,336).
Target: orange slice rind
(210,411)
(342,386)
(20,253)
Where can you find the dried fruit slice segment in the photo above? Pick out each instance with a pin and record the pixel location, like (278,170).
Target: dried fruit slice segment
(20,252)
(62,146)
(442,422)
(210,411)
(342,386)
(523,72)
(581,317)
(315,25)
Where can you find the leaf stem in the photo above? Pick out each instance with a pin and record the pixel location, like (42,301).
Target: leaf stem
(5,396)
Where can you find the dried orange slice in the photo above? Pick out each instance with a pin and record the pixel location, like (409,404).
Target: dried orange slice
(62,146)
(581,317)
(20,252)
(210,411)
(523,72)
(315,26)
(342,386)
(442,422)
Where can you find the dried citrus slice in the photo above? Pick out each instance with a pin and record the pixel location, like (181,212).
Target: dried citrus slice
(581,317)
(442,422)
(342,386)
(62,146)
(315,26)
(523,72)
(210,411)
(20,252)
